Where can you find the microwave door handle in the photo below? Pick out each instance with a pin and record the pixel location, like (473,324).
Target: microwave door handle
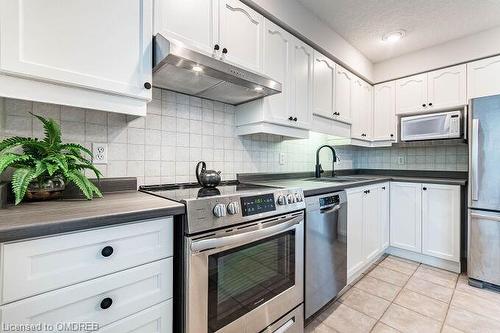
(475,159)
(245,237)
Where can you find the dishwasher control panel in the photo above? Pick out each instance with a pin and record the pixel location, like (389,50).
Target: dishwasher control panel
(328,201)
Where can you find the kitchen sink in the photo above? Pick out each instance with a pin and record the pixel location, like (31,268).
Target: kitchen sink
(340,179)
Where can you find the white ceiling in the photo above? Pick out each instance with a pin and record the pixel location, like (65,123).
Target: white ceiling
(427,22)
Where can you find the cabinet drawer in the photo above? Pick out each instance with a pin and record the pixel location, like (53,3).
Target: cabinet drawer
(156,319)
(130,291)
(36,266)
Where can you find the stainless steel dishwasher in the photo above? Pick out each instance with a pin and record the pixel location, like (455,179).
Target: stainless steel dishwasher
(326,249)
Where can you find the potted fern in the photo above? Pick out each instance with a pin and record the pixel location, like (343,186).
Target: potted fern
(44,167)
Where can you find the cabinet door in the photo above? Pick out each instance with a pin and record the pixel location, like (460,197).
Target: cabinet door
(406,208)
(483,77)
(343,93)
(100,45)
(441,221)
(361,110)
(324,86)
(367,121)
(446,87)
(355,258)
(301,71)
(384,111)
(193,22)
(411,94)
(383,213)
(371,224)
(277,57)
(240,32)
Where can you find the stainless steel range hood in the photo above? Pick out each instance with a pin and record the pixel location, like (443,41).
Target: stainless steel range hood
(211,78)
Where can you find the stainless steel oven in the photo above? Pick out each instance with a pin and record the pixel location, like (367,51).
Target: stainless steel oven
(245,278)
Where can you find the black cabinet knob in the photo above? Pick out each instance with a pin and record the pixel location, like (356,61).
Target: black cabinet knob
(430,104)
(336,113)
(424,188)
(216,47)
(107,251)
(147,85)
(392,135)
(383,187)
(106,303)
(424,105)
(290,118)
(224,50)
(295,119)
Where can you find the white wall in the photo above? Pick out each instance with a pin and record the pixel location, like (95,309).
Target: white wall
(295,16)
(480,45)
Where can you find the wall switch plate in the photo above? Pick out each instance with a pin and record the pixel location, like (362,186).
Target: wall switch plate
(282,158)
(100,153)
(401,159)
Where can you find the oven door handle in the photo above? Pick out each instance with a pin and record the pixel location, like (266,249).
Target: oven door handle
(245,237)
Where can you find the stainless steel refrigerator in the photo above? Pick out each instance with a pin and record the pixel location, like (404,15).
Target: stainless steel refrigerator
(484,191)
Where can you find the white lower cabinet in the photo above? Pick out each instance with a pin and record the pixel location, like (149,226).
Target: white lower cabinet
(425,218)
(366,241)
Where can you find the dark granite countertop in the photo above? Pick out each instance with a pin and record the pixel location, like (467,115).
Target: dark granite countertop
(52,217)
(367,177)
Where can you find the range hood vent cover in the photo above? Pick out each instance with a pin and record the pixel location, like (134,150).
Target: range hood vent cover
(215,79)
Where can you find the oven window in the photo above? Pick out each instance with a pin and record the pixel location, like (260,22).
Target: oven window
(242,278)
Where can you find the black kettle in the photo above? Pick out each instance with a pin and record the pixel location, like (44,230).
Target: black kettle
(207,178)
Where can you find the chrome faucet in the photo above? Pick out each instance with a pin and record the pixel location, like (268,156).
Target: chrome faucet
(319,169)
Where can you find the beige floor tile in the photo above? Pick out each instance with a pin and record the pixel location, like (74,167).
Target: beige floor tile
(378,288)
(429,289)
(399,265)
(346,320)
(408,321)
(463,285)
(389,275)
(437,276)
(383,328)
(469,322)
(422,304)
(317,326)
(476,304)
(366,303)
(449,329)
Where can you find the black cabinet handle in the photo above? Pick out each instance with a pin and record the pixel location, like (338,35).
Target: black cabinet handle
(424,105)
(367,191)
(424,188)
(295,119)
(107,251)
(106,303)
(430,104)
(392,135)
(147,85)
(336,113)
(383,187)
(216,47)
(363,134)
(224,50)
(290,118)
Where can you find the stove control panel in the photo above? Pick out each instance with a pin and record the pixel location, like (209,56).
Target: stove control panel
(258,204)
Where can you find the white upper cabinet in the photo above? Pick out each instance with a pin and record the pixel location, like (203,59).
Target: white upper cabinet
(344,81)
(192,22)
(324,86)
(384,111)
(361,110)
(411,94)
(441,221)
(483,77)
(240,33)
(405,213)
(446,87)
(98,45)
(302,84)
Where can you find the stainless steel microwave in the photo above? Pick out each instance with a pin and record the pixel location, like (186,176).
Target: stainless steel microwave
(443,125)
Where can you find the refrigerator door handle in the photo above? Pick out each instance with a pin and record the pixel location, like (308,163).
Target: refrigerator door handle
(475,159)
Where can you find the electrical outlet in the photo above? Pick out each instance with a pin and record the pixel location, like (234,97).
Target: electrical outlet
(282,158)
(401,159)
(100,153)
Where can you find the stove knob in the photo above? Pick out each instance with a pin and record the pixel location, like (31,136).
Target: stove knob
(290,198)
(281,200)
(233,208)
(298,197)
(220,210)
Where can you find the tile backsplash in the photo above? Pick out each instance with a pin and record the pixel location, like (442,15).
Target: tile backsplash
(181,130)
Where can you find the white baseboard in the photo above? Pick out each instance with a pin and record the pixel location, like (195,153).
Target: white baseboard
(425,259)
